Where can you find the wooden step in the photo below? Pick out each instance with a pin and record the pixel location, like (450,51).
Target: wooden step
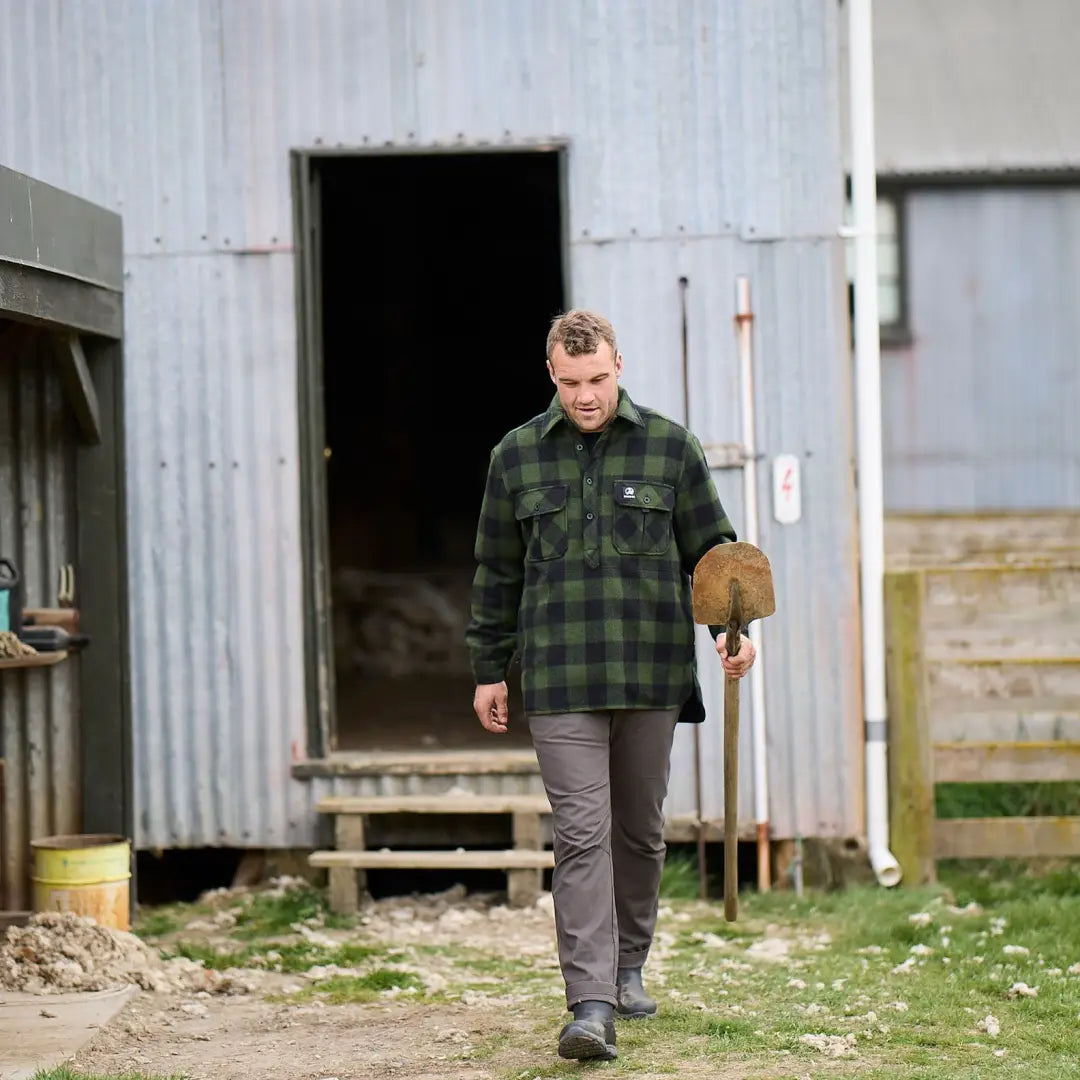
(420,763)
(433,860)
(433,804)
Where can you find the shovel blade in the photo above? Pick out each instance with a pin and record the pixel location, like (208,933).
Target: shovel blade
(718,567)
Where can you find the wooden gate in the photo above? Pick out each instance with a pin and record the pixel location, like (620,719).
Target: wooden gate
(984,686)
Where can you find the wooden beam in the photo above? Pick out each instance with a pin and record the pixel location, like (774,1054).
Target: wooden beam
(60,303)
(683,829)
(434,860)
(992,762)
(79,387)
(1007,838)
(105,683)
(523,886)
(346,883)
(420,763)
(36,660)
(911,777)
(433,804)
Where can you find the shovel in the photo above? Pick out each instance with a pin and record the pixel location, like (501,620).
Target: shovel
(732,587)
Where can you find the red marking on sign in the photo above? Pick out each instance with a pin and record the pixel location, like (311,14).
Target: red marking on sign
(787,485)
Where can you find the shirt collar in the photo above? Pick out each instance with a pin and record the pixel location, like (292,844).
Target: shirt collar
(555,412)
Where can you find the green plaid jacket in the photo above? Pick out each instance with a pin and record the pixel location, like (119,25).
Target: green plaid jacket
(584,562)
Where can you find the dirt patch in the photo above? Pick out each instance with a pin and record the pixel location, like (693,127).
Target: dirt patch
(232,1039)
(60,952)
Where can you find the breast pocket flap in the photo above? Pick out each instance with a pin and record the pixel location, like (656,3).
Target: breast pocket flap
(540,500)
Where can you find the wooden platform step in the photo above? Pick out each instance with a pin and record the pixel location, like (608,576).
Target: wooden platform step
(524,865)
(434,804)
(434,860)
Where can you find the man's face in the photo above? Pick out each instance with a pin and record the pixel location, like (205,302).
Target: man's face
(588,385)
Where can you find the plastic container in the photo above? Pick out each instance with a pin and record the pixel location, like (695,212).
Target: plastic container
(11,597)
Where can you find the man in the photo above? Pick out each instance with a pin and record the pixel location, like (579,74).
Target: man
(595,514)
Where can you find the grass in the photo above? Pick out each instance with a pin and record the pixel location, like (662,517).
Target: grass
(354,989)
(911,993)
(1042,799)
(679,880)
(269,916)
(907,994)
(158,922)
(293,958)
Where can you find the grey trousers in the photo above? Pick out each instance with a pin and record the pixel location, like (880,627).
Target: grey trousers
(606,775)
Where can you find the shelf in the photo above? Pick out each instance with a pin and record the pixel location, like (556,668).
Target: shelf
(45,659)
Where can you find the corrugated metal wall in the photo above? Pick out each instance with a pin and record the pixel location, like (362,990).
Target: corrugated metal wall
(39,719)
(974,86)
(981,411)
(704,139)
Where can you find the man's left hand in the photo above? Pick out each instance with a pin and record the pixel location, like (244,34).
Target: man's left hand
(738,665)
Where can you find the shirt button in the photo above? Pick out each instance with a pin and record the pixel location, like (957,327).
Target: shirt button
(645,499)
(537,507)
(588,517)
(588,480)
(580,446)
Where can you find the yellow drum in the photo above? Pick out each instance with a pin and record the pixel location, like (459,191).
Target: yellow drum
(89,875)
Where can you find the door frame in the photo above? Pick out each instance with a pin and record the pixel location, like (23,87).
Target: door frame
(319,674)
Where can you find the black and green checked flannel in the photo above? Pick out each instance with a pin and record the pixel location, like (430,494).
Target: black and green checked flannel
(584,561)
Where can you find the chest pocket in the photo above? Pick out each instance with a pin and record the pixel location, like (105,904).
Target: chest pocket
(641,522)
(542,513)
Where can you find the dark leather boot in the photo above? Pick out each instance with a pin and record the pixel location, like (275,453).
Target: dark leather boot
(634,1003)
(591,1034)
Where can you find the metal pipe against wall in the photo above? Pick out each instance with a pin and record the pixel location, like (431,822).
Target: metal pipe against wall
(868,425)
(744,326)
(684,284)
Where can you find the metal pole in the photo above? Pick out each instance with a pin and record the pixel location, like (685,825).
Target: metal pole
(744,323)
(868,424)
(684,284)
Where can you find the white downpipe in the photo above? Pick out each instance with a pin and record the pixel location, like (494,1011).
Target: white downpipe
(744,322)
(868,425)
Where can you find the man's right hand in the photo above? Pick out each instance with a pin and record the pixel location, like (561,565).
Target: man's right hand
(490,705)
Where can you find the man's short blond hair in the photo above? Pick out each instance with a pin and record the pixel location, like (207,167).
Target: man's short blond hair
(580,332)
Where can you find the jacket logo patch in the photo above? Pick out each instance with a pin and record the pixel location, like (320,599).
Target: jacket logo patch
(628,492)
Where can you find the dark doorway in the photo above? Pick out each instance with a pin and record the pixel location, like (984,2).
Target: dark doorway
(440,274)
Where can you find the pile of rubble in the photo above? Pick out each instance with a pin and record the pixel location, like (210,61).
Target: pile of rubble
(60,952)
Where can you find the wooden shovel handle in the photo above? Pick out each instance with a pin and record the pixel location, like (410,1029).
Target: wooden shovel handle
(731,798)
(731,760)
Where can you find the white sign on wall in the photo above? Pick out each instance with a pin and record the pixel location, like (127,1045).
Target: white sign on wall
(787,489)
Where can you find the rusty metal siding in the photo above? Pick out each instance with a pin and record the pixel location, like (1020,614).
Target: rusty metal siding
(39,716)
(702,135)
(980,412)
